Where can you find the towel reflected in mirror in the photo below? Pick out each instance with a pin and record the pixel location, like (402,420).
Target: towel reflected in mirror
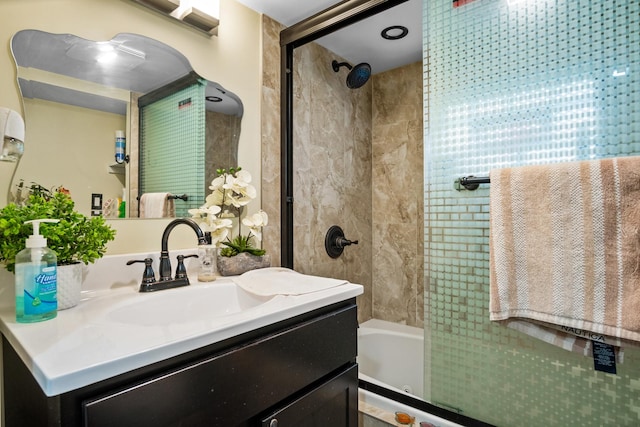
(157,205)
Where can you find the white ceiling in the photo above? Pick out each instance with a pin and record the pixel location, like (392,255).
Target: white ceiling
(360,42)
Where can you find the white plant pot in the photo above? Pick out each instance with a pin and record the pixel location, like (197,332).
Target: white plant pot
(69,285)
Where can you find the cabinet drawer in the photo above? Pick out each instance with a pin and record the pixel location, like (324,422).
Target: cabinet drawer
(233,386)
(334,403)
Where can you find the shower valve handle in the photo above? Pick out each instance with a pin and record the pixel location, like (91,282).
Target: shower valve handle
(334,242)
(341,242)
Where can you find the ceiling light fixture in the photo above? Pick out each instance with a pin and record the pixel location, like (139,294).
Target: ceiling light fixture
(201,14)
(394,32)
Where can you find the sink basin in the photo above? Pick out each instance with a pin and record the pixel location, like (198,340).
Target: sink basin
(186,304)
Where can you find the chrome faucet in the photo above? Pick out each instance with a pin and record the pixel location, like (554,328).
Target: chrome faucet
(149,283)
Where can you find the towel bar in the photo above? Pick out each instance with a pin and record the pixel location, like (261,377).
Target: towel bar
(470,182)
(172,196)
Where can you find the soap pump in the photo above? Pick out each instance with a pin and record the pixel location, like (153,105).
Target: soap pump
(36,278)
(207,255)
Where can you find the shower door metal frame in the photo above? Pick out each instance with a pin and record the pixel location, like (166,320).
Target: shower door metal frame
(326,22)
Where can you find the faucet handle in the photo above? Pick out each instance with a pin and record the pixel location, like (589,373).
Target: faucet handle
(148,276)
(181,270)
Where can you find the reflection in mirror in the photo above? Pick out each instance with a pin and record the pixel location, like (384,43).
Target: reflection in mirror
(79,93)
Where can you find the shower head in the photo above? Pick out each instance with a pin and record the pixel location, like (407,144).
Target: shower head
(357,76)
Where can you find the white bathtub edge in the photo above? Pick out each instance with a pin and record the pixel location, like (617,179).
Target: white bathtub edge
(384,409)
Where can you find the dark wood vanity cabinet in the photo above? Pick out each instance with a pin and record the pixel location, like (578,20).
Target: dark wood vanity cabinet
(299,372)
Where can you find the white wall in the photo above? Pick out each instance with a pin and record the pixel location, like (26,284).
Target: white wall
(58,131)
(233,59)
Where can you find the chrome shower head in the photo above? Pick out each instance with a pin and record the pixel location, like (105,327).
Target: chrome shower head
(357,76)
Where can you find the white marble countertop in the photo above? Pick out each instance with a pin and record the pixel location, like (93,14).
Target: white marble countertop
(104,335)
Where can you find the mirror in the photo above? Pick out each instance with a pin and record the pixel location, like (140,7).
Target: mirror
(78,93)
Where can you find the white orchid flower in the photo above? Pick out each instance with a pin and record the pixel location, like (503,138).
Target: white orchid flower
(196,213)
(220,229)
(255,223)
(240,191)
(241,199)
(227,214)
(242,177)
(232,190)
(216,198)
(217,183)
(205,215)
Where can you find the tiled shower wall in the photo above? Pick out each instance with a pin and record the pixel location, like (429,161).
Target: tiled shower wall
(332,163)
(332,169)
(222,132)
(397,196)
(512,83)
(270,144)
(358,164)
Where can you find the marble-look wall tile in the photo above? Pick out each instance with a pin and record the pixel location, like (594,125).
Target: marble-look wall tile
(358,164)
(270,144)
(397,183)
(133,144)
(332,184)
(220,129)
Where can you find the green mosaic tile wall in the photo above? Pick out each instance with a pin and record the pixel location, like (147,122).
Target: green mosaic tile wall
(172,145)
(510,83)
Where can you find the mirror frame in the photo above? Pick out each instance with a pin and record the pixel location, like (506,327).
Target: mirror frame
(316,26)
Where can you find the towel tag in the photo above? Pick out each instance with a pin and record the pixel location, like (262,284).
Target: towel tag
(604,357)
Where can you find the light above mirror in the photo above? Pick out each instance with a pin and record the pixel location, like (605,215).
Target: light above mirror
(203,15)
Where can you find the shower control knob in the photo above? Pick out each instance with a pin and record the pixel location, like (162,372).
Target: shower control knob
(342,242)
(334,242)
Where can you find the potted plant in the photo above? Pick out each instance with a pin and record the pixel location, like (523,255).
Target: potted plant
(230,193)
(75,238)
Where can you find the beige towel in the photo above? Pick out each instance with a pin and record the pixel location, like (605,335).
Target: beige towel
(157,205)
(565,250)
(283,281)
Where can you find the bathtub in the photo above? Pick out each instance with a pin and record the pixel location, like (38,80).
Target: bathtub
(391,357)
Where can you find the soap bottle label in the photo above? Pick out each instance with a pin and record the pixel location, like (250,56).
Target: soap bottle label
(207,256)
(41,298)
(120,147)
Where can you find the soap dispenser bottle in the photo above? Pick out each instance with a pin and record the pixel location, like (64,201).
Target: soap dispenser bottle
(207,256)
(36,278)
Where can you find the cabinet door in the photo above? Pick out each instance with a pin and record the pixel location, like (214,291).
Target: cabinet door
(235,386)
(333,403)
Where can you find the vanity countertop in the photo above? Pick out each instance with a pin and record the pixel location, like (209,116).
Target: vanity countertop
(95,341)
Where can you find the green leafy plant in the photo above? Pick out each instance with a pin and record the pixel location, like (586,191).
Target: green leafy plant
(75,238)
(240,244)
